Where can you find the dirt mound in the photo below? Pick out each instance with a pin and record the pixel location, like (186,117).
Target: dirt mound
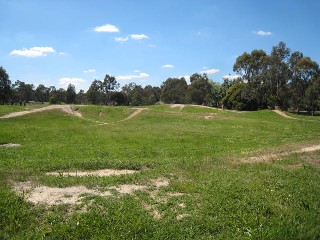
(66,108)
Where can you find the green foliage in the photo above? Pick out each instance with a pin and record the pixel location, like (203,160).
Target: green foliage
(200,90)
(53,99)
(71,94)
(278,79)
(42,93)
(5,90)
(173,90)
(234,99)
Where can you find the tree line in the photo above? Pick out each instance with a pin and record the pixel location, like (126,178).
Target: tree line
(282,78)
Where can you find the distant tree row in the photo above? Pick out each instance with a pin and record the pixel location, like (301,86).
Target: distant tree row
(284,79)
(19,92)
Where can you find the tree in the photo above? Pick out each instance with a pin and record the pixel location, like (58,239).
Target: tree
(304,71)
(94,93)
(200,90)
(71,93)
(128,91)
(42,93)
(137,96)
(23,91)
(216,92)
(173,90)
(118,98)
(61,95)
(312,96)
(108,85)
(5,89)
(234,98)
(149,95)
(81,97)
(277,76)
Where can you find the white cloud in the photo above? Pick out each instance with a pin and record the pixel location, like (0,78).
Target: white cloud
(33,52)
(168,66)
(89,71)
(263,33)
(136,71)
(121,39)
(62,53)
(75,81)
(107,28)
(138,36)
(130,77)
(151,45)
(210,71)
(231,77)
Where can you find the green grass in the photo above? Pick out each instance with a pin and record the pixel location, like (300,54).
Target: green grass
(223,200)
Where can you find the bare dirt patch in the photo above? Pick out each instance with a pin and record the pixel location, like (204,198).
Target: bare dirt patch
(135,113)
(97,173)
(160,182)
(180,106)
(129,189)
(9,145)
(50,196)
(72,195)
(282,114)
(275,155)
(210,116)
(181,216)
(55,196)
(66,108)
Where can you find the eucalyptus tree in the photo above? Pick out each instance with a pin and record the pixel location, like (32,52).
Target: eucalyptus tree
(5,86)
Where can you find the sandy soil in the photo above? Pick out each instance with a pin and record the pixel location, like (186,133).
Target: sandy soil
(273,156)
(9,145)
(181,106)
(135,113)
(282,114)
(66,108)
(72,195)
(98,173)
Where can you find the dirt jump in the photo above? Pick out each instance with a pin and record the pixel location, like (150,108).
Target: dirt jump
(69,110)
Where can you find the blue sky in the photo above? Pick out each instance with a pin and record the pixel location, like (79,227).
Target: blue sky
(146,41)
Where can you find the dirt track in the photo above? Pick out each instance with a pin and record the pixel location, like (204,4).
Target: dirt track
(283,114)
(67,109)
(275,155)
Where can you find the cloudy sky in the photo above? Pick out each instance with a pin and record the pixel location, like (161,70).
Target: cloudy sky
(146,41)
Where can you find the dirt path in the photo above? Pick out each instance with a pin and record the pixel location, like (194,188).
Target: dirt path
(135,113)
(181,106)
(66,108)
(275,155)
(283,114)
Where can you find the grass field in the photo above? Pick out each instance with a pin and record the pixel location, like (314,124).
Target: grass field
(190,183)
